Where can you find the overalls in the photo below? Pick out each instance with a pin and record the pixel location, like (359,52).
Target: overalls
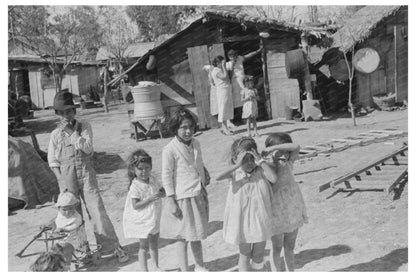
(78,175)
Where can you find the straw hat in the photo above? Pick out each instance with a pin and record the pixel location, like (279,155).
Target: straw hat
(63,101)
(66,198)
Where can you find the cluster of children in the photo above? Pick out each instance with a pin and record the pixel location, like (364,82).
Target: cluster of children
(263,202)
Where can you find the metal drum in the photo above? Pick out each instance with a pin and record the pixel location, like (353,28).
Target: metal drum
(147,103)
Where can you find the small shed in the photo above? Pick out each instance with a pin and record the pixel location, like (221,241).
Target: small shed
(384,29)
(28,77)
(180,59)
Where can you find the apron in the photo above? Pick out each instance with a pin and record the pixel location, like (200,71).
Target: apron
(78,176)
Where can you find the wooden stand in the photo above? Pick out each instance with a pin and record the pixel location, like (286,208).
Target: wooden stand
(136,126)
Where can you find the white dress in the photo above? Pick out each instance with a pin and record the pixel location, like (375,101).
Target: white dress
(237,80)
(250,107)
(248,209)
(224,96)
(141,223)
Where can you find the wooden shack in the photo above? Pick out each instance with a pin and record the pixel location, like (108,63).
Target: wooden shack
(27,77)
(179,61)
(384,29)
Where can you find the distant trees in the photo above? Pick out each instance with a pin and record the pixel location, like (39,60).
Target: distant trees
(119,33)
(58,39)
(154,21)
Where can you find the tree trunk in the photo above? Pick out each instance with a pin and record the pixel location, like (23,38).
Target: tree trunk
(105,91)
(350,102)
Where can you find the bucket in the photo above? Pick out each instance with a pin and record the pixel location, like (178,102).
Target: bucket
(147,103)
(290,112)
(294,63)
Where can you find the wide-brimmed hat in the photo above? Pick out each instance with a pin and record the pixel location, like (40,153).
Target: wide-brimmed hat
(66,198)
(232,52)
(63,101)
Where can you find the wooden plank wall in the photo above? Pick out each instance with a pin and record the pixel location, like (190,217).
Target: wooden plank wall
(198,57)
(383,79)
(283,91)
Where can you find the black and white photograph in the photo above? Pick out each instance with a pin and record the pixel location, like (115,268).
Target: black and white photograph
(208,137)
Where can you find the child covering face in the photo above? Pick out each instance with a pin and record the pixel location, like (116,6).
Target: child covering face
(248,206)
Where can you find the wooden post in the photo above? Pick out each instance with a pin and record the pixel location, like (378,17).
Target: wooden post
(266,79)
(307,75)
(395,62)
(105,91)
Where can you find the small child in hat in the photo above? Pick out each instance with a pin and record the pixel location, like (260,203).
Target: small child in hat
(70,222)
(70,158)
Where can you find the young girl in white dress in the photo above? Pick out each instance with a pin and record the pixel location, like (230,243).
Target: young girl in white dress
(249,97)
(142,211)
(248,207)
(289,210)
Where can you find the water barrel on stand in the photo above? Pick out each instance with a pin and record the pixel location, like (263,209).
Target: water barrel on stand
(147,104)
(294,63)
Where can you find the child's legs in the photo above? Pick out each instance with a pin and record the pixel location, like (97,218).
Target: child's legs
(153,245)
(277,244)
(245,255)
(289,242)
(144,247)
(257,252)
(248,125)
(196,247)
(183,254)
(254,124)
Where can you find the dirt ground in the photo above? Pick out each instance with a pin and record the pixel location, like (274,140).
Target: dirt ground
(364,231)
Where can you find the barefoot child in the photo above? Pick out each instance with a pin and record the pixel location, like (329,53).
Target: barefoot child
(184,178)
(249,97)
(143,207)
(289,211)
(248,207)
(70,158)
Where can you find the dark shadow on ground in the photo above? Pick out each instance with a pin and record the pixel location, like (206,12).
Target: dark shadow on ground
(310,255)
(105,163)
(230,263)
(315,170)
(389,262)
(290,131)
(351,192)
(236,132)
(222,264)
(214,226)
(42,126)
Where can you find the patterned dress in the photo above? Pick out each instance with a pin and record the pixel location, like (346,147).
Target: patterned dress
(289,210)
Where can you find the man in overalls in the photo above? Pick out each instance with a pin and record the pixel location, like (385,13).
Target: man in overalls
(70,158)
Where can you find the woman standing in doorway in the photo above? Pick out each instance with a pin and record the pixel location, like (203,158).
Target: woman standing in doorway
(224,94)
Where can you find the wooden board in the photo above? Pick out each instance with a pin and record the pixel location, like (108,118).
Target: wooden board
(198,57)
(283,91)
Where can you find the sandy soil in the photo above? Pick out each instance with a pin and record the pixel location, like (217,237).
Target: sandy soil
(364,231)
